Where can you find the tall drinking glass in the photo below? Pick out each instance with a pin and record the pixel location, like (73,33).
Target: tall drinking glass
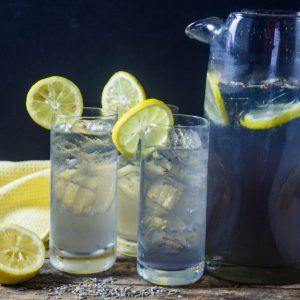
(83,193)
(172,216)
(128,201)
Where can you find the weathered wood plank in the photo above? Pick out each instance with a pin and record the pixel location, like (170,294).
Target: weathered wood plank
(124,273)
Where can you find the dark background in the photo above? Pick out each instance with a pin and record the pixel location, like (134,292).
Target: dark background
(87,41)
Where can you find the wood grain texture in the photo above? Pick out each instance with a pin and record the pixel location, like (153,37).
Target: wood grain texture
(124,272)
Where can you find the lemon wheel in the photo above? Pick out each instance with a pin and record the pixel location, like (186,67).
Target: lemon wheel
(271,116)
(214,104)
(52,96)
(127,131)
(122,92)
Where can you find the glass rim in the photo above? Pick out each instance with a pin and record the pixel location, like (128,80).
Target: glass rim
(111,114)
(274,13)
(204,122)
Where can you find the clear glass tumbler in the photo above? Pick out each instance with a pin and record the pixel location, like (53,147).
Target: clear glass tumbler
(172,216)
(128,201)
(83,193)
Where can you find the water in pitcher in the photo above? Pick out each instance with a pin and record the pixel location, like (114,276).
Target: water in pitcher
(254,175)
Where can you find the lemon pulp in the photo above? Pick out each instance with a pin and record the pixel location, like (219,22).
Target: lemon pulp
(52,96)
(122,92)
(271,116)
(127,131)
(22,254)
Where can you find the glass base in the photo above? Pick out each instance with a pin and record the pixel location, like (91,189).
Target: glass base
(171,278)
(82,264)
(254,275)
(127,248)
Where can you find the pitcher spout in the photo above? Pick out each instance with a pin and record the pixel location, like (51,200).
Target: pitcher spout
(205,30)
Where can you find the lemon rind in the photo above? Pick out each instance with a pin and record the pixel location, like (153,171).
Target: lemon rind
(131,113)
(116,76)
(213,80)
(10,275)
(49,80)
(251,123)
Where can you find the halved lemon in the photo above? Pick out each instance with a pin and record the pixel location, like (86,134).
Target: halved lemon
(121,92)
(52,96)
(127,131)
(214,104)
(271,116)
(22,254)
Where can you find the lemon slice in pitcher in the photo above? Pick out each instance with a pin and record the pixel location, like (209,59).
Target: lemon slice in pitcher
(214,104)
(51,96)
(271,116)
(127,131)
(121,92)
(22,254)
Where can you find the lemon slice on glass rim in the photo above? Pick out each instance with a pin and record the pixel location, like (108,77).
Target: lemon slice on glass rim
(214,104)
(121,92)
(271,116)
(52,96)
(127,131)
(22,254)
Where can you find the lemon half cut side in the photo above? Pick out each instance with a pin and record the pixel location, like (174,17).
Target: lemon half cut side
(22,254)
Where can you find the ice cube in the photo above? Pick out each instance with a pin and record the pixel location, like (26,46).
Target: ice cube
(165,193)
(99,126)
(187,146)
(183,138)
(88,190)
(191,173)
(80,126)
(129,181)
(171,234)
(69,196)
(72,162)
(62,145)
(92,126)
(158,164)
(152,229)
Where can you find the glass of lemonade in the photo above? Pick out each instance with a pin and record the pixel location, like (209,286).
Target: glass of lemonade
(172,216)
(128,201)
(83,193)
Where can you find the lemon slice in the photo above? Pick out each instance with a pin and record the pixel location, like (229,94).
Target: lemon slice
(22,254)
(121,92)
(127,131)
(214,104)
(53,96)
(271,116)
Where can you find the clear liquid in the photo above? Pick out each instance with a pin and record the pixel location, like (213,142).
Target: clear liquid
(253,189)
(128,199)
(173,209)
(83,196)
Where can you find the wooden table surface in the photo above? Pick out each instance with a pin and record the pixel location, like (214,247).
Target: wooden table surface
(124,274)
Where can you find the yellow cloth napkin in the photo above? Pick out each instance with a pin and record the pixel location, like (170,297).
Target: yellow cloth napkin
(25,195)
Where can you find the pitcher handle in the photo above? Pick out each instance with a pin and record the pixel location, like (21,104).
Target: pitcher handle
(204,30)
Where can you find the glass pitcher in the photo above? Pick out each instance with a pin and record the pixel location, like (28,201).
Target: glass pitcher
(253,102)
